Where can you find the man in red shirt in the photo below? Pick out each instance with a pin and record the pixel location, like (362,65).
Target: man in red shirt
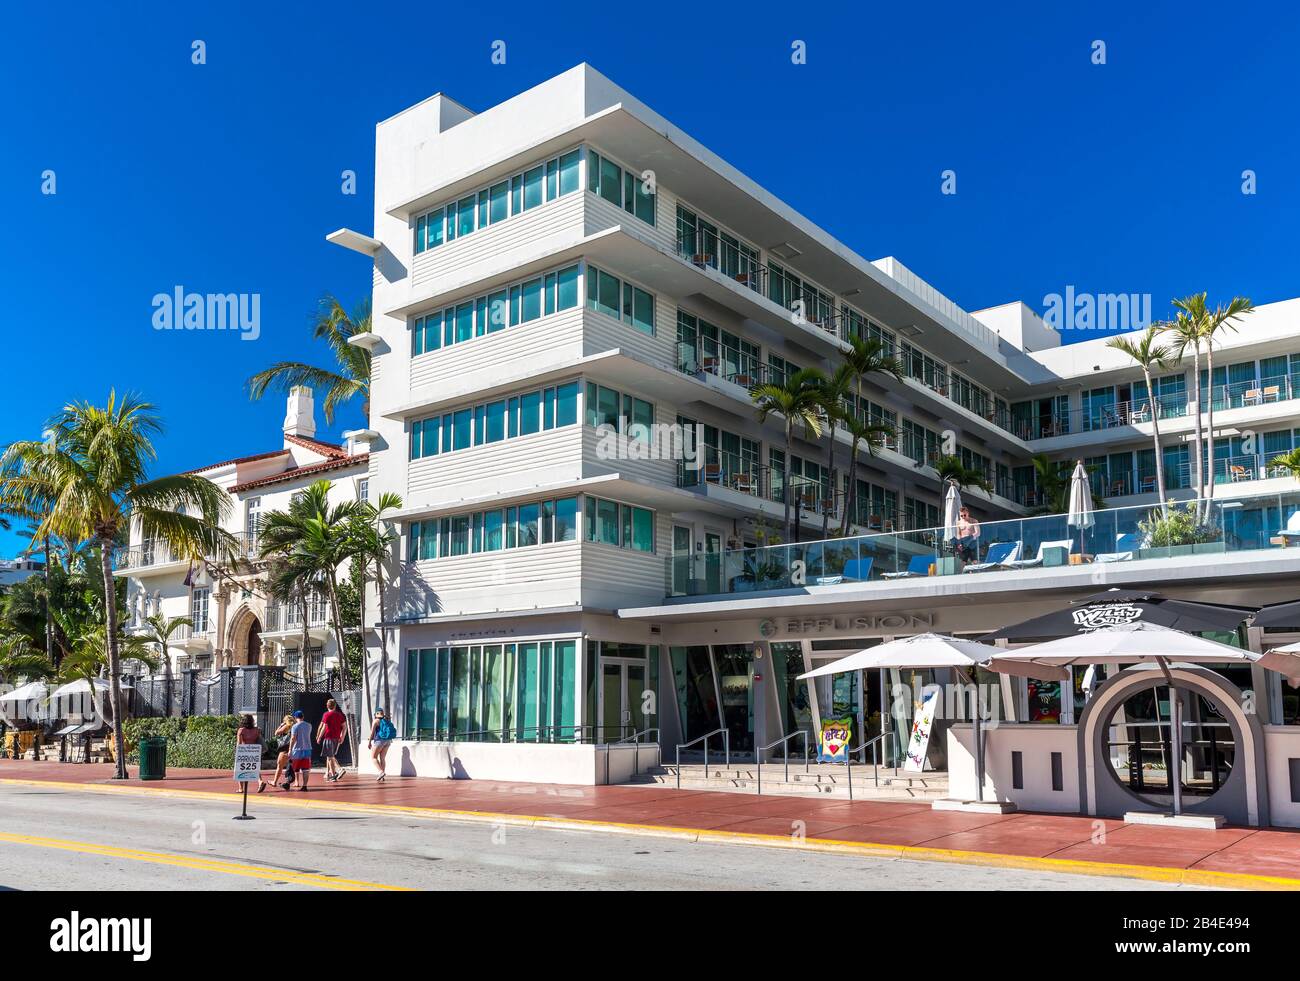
(330,733)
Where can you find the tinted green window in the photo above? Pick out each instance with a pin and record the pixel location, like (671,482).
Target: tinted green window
(552,174)
(499,209)
(530,407)
(532,300)
(532,188)
(640,414)
(433,332)
(450,223)
(497,311)
(419,235)
(494,680)
(611,188)
(492,539)
(603,292)
(643,311)
(482,209)
(569,172)
(465,216)
(566,687)
(566,404)
(432,435)
(526,692)
(567,288)
(602,521)
(460,690)
(496,421)
(516,194)
(527,525)
(566,519)
(639,532)
(464,322)
(461,426)
(544,692)
(602,406)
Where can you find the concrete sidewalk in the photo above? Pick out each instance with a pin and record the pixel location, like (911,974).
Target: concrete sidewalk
(1230,857)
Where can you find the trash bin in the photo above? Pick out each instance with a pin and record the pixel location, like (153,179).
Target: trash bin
(153,758)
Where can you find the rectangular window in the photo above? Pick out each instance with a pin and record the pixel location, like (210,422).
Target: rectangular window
(569,172)
(528,518)
(530,406)
(517,194)
(566,404)
(552,174)
(603,292)
(492,537)
(602,521)
(495,421)
(565,527)
(461,429)
(497,312)
(532,300)
(566,290)
(464,322)
(465,216)
(533,188)
(640,415)
(499,207)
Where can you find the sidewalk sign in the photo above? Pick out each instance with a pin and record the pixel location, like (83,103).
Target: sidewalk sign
(921,726)
(248,769)
(833,740)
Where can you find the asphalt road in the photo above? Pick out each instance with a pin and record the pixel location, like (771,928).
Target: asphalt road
(64,839)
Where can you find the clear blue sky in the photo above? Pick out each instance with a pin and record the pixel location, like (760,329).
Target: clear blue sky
(225,177)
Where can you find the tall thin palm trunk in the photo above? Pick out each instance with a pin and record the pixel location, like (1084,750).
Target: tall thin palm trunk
(49,610)
(383,638)
(1207,491)
(790,535)
(114,665)
(1155,438)
(1196,393)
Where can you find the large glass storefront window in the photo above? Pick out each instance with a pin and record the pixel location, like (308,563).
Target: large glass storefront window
(735,667)
(697,696)
(628,690)
(493,692)
(793,700)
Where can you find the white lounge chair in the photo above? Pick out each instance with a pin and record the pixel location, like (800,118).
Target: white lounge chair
(1125,546)
(1001,555)
(1037,560)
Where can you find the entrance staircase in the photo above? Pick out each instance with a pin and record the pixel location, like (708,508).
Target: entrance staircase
(823,780)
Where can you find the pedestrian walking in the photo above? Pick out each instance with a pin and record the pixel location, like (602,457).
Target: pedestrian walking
(300,749)
(282,756)
(382,734)
(330,734)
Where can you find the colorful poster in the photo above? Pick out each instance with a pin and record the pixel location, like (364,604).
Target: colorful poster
(921,726)
(833,744)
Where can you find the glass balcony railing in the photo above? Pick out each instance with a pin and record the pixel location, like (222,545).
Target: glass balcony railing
(1024,545)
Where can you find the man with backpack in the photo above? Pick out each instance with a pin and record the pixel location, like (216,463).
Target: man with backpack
(382,734)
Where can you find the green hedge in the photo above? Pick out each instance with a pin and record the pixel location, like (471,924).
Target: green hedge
(203,741)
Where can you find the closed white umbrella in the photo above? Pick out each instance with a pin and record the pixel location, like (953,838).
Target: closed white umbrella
(1080,511)
(951,511)
(1134,643)
(80,687)
(931,651)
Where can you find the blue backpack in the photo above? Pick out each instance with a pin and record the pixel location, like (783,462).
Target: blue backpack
(386,729)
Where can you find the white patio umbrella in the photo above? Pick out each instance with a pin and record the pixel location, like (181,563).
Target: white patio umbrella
(1135,643)
(32,692)
(951,511)
(932,651)
(1079,514)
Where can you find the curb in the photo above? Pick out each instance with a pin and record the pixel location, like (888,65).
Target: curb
(1150,873)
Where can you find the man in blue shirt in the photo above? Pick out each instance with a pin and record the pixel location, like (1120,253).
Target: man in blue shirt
(300,749)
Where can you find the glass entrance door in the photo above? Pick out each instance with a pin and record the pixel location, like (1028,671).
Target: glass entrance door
(735,669)
(622,691)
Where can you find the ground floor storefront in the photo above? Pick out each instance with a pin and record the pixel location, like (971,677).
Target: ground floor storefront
(590,697)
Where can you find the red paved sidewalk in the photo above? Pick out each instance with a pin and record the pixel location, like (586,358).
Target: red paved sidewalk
(1269,852)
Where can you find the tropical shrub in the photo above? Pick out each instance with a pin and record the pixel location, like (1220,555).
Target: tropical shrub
(203,741)
(1177,526)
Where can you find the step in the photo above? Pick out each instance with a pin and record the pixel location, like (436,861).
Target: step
(773,784)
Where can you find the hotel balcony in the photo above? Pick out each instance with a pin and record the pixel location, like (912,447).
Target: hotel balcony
(1247,533)
(284,621)
(158,558)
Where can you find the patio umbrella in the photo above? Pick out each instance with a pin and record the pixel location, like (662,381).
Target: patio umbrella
(1119,606)
(1134,643)
(33,691)
(1079,514)
(1284,616)
(932,651)
(951,511)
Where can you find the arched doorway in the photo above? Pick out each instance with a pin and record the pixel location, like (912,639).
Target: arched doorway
(1124,747)
(245,639)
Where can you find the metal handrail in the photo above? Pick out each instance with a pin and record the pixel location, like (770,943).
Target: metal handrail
(875,759)
(784,742)
(635,739)
(726,750)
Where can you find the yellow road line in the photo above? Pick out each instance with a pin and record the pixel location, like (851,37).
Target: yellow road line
(1152,873)
(197,864)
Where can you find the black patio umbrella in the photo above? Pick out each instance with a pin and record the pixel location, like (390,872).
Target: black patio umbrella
(1119,606)
(1279,616)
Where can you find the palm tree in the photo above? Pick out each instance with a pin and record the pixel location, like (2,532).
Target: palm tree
(866,434)
(1214,322)
(1187,332)
(834,410)
(314,538)
(160,630)
(93,471)
(350,375)
(372,547)
(1290,462)
(20,662)
(952,470)
(1052,478)
(864,358)
(91,648)
(1150,356)
(796,399)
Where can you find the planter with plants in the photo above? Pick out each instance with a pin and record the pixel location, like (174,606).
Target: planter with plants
(1178,531)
